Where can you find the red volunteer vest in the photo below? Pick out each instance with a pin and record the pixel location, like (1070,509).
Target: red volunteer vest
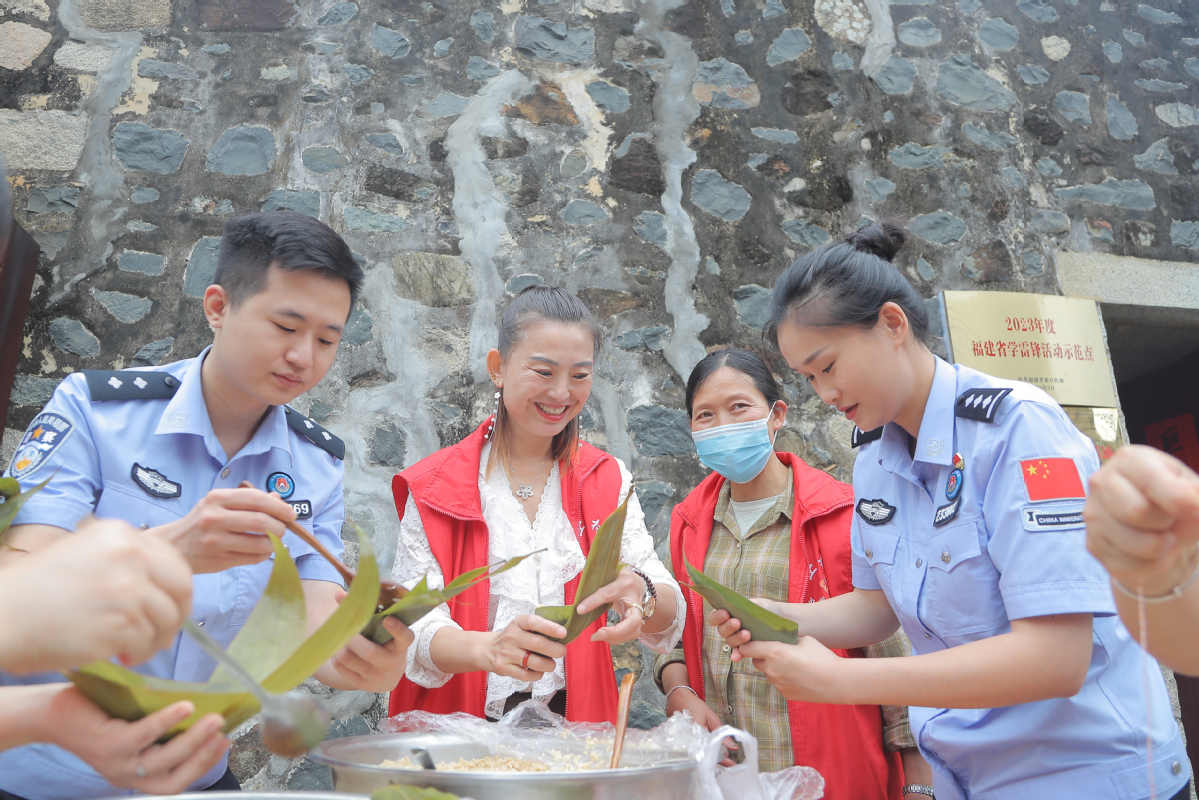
(843,743)
(446,489)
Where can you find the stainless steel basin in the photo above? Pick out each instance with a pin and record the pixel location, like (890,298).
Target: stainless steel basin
(355,761)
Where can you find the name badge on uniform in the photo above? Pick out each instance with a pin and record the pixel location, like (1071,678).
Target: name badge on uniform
(947,512)
(303,508)
(875,512)
(44,435)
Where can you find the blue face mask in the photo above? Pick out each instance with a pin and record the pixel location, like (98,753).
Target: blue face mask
(739,451)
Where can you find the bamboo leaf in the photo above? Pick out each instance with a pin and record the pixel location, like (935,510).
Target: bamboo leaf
(603,563)
(762,624)
(130,695)
(275,629)
(14,498)
(9,487)
(342,625)
(420,599)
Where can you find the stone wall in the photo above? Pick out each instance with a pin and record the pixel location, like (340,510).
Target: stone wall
(663,159)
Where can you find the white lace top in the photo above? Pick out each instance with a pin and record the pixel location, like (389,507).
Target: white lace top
(540,580)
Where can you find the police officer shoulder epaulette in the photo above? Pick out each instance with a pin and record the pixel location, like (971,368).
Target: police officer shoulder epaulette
(861,437)
(980,404)
(315,433)
(107,384)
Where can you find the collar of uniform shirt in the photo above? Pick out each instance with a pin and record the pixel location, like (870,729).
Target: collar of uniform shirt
(186,413)
(934,445)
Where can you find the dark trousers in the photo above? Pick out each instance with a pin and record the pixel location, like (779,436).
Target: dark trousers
(226,783)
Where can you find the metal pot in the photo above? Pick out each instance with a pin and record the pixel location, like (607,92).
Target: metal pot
(355,764)
(233,795)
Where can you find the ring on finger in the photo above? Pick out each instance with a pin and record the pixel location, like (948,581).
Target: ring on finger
(141,771)
(638,607)
(524,662)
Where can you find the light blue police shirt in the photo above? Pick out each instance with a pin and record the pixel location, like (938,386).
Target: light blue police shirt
(992,557)
(149,462)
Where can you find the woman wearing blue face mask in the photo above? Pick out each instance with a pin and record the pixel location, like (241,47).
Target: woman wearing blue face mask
(769,526)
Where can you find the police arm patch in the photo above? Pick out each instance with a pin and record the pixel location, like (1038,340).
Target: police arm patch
(44,435)
(875,512)
(1052,479)
(1039,518)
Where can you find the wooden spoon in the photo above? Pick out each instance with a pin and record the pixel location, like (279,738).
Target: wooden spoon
(389,591)
(622,717)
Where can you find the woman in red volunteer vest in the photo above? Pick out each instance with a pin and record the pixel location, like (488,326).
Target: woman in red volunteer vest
(769,526)
(523,481)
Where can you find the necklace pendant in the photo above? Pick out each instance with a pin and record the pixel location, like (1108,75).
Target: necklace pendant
(525,491)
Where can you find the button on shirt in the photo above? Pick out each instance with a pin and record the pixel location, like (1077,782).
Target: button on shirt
(992,562)
(97,474)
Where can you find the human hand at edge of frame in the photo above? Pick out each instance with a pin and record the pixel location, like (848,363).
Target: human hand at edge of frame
(106,590)
(126,754)
(1142,516)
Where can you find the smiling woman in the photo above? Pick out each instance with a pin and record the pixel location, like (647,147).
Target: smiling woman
(524,482)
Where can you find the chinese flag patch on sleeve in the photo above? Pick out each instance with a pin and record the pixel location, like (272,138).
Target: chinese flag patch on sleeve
(1052,479)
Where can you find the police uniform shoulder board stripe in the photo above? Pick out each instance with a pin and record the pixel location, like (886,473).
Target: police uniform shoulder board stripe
(979,404)
(865,437)
(107,384)
(315,433)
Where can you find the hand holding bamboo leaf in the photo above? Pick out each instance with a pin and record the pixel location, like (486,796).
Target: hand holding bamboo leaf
(762,624)
(415,603)
(601,569)
(271,647)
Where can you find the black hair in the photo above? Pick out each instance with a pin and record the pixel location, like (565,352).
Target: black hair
(541,303)
(288,239)
(846,283)
(748,364)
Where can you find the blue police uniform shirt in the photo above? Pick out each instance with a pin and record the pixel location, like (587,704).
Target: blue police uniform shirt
(149,462)
(959,554)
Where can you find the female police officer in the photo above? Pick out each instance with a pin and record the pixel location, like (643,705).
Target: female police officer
(968,531)
(165,449)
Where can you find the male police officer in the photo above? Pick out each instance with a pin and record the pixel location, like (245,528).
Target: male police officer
(165,449)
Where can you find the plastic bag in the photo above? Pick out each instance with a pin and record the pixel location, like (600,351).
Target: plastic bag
(534,732)
(744,782)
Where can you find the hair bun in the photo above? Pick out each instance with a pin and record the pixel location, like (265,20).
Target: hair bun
(882,238)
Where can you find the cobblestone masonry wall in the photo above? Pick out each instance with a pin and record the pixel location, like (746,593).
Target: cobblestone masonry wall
(663,159)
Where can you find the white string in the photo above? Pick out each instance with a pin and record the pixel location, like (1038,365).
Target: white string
(1143,626)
